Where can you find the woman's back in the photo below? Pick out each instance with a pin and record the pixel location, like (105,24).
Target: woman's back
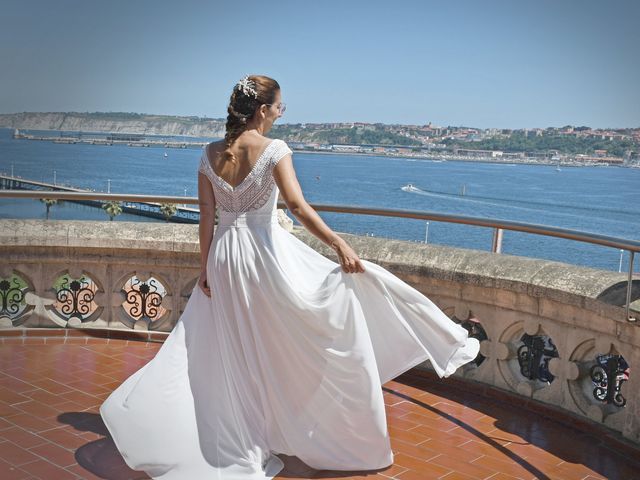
(246,150)
(245,184)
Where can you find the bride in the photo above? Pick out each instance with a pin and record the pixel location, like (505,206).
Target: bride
(279,350)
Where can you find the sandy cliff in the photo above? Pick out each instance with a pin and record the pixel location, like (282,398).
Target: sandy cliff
(115,123)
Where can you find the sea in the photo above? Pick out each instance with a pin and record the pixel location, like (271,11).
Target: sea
(602,200)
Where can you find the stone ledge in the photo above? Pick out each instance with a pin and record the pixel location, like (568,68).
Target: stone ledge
(568,284)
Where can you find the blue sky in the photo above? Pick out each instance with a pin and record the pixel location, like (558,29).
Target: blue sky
(493,63)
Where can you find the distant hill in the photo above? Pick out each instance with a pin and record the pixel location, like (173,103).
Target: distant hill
(122,122)
(377,134)
(116,122)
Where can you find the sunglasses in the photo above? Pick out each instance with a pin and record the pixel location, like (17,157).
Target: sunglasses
(281,107)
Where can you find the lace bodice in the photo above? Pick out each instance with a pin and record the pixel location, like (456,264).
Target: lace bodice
(256,188)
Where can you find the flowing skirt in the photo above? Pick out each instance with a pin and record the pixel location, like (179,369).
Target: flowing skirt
(287,356)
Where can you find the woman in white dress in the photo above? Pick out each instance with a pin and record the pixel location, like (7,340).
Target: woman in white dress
(279,350)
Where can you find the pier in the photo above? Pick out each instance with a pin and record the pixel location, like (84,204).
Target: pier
(146,209)
(128,139)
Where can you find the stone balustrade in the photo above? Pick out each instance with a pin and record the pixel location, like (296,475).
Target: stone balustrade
(550,332)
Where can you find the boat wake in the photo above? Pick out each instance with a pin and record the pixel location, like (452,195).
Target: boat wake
(411,188)
(508,202)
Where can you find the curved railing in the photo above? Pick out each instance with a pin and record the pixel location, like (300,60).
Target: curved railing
(631,246)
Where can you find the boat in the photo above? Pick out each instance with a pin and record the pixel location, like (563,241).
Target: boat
(409,187)
(165,155)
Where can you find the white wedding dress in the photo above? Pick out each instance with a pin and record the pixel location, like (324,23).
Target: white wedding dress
(287,356)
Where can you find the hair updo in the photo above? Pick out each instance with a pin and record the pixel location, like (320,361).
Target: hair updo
(242,108)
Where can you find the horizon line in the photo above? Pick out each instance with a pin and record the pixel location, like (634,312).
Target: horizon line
(316,122)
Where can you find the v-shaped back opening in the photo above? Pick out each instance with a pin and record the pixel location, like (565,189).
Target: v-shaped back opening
(253,167)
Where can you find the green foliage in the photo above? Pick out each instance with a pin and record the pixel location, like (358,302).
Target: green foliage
(113,208)
(550,140)
(369,135)
(49,202)
(168,210)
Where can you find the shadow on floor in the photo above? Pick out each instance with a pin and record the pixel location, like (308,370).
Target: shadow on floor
(100,457)
(568,444)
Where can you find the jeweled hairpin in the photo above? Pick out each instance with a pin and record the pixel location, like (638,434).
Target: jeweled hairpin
(247,86)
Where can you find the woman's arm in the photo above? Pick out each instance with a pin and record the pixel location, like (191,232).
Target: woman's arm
(207,204)
(286,180)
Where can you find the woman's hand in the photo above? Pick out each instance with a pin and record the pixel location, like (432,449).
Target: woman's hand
(202,283)
(349,260)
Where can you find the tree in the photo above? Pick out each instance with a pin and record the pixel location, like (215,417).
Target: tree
(168,210)
(112,208)
(48,202)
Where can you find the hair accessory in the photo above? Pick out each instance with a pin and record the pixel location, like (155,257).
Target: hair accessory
(248,87)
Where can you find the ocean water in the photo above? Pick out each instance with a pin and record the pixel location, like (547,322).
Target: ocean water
(604,200)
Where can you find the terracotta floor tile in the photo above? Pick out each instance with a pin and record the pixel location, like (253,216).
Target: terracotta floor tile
(526,471)
(55,454)
(436,430)
(51,386)
(7,409)
(418,451)
(4,424)
(9,472)
(504,476)
(491,449)
(428,471)
(45,470)
(37,409)
(14,384)
(457,476)
(462,452)
(31,423)
(393,470)
(10,397)
(452,439)
(15,454)
(408,436)
(455,464)
(401,424)
(21,437)
(83,473)
(80,397)
(45,397)
(63,438)
(418,465)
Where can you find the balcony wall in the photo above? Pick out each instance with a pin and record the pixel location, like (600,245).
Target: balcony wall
(574,313)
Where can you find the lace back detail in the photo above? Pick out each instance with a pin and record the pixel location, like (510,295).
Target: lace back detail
(256,188)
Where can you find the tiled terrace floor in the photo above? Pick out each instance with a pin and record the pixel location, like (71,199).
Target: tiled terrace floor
(51,388)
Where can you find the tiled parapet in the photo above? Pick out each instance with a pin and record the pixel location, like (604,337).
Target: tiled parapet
(547,330)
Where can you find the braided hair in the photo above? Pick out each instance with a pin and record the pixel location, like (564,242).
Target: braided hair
(247,96)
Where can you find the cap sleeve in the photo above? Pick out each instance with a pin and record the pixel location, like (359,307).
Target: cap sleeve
(280,149)
(202,167)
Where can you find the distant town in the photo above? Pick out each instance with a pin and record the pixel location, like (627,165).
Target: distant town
(568,145)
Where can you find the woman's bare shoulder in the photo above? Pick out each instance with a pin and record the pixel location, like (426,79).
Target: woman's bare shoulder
(214,147)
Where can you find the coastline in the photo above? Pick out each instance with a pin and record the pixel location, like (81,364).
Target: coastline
(99,138)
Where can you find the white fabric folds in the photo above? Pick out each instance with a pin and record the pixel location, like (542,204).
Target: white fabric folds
(287,356)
